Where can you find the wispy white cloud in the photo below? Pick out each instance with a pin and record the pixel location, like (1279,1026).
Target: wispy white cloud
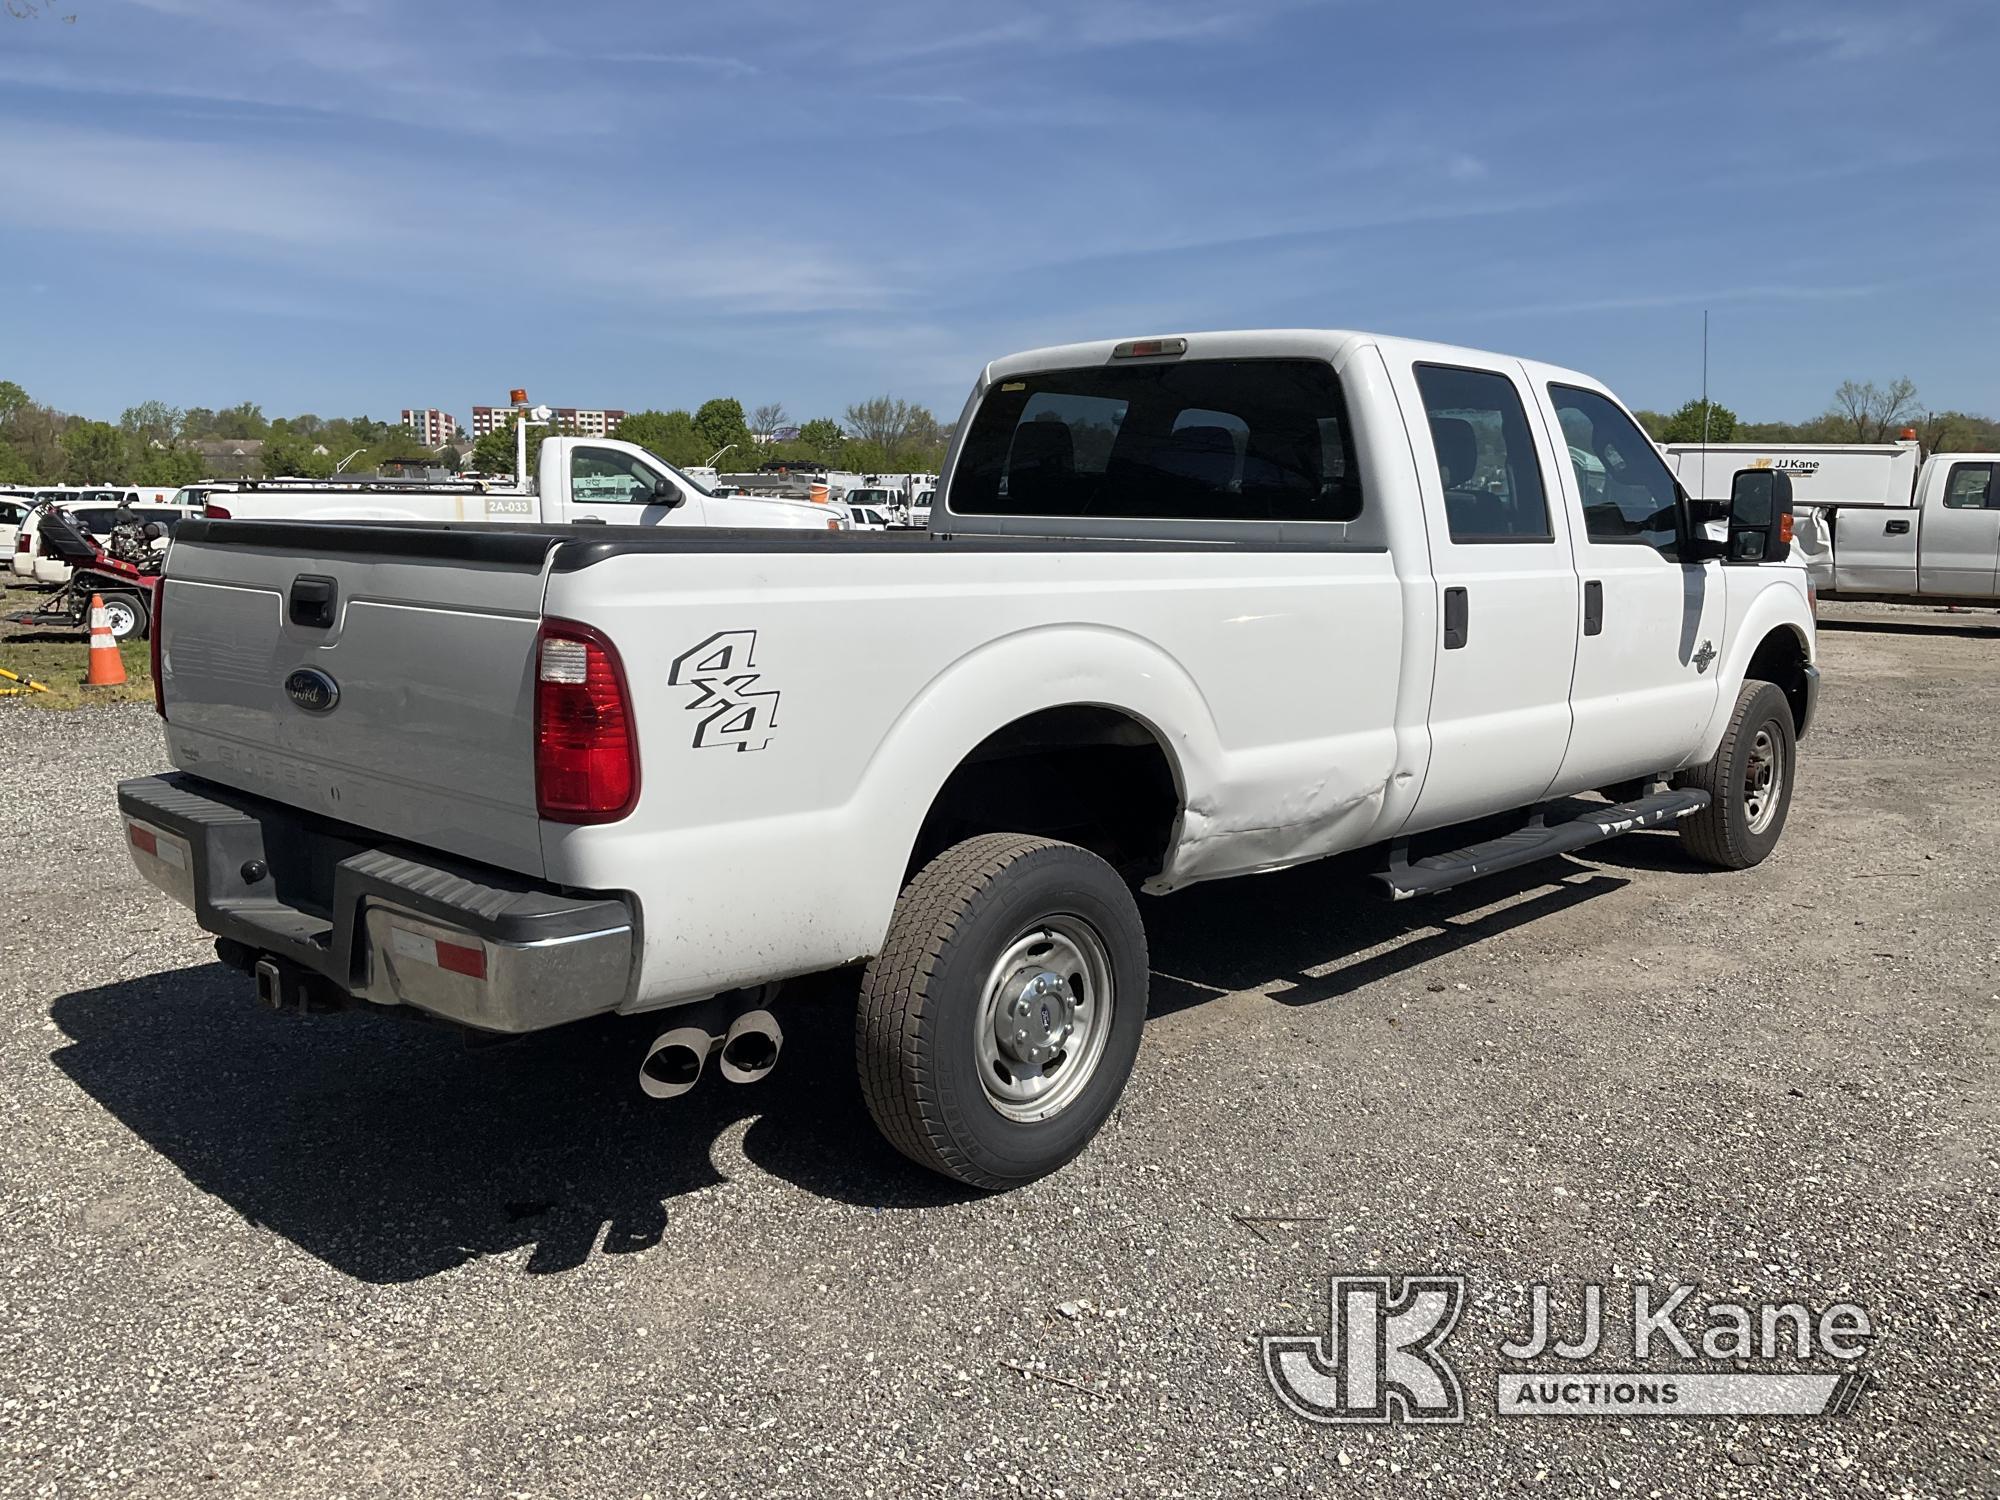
(1646,301)
(1844,33)
(258,207)
(728,67)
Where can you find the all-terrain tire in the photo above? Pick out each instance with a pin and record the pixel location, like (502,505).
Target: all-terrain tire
(1735,831)
(926,995)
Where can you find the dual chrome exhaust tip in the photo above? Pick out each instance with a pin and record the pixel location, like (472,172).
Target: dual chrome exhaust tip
(746,1051)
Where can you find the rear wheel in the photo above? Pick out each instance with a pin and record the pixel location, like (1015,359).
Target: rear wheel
(128,616)
(1000,1022)
(1749,783)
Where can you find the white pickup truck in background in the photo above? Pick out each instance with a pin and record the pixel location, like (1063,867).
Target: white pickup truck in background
(1875,521)
(578,480)
(1190,607)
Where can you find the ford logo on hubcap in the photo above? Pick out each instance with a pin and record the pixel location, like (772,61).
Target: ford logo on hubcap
(312,690)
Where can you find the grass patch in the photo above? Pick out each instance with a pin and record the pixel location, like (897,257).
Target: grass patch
(60,660)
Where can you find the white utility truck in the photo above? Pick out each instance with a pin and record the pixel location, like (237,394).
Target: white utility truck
(1875,521)
(579,480)
(1190,607)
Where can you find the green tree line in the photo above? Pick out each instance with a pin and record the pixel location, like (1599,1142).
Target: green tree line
(1860,412)
(882,435)
(154,443)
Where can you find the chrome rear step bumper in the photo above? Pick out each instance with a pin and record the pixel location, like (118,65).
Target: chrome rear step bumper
(337,907)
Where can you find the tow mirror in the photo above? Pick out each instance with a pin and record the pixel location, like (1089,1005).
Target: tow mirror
(1760,516)
(666,492)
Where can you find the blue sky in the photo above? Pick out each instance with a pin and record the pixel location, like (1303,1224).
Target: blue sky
(356,205)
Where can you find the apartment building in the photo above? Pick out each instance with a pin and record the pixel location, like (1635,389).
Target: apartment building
(582,421)
(433,428)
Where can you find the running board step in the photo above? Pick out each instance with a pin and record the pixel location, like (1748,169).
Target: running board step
(1440,872)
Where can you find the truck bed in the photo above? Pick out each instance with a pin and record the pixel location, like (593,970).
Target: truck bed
(793,694)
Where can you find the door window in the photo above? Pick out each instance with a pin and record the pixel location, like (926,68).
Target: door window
(1970,487)
(604,476)
(1628,493)
(1485,456)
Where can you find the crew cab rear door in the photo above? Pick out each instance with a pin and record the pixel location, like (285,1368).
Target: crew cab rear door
(1506,584)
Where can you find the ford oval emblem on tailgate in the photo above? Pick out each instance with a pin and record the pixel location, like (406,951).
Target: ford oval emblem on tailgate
(312,690)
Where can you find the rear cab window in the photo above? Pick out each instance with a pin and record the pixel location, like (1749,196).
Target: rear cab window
(1242,441)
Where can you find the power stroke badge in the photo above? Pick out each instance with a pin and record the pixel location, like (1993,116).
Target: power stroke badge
(732,711)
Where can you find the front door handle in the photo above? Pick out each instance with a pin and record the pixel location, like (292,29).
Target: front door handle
(1896,528)
(1457,619)
(1593,608)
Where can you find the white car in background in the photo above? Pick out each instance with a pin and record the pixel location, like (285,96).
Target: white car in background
(96,515)
(866,517)
(14,508)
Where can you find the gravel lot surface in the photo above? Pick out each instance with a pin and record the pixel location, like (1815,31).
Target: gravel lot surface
(348,1256)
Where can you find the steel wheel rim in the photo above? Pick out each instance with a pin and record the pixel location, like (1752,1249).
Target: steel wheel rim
(121,617)
(1044,1018)
(1763,781)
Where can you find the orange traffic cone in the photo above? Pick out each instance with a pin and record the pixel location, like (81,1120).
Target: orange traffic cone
(107,665)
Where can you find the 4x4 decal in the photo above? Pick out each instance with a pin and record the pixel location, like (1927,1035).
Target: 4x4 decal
(735,712)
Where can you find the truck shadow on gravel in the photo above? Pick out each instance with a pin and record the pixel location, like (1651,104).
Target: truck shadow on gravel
(1212,940)
(393,1151)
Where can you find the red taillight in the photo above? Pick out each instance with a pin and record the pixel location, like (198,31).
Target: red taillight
(213,512)
(23,541)
(586,755)
(153,648)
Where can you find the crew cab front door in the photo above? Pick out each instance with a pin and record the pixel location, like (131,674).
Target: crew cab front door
(623,490)
(1645,687)
(1506,592)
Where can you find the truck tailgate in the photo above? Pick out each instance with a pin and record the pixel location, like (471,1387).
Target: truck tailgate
(409,711)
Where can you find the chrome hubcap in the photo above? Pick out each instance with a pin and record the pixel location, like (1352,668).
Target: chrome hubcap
(1763,781)
(1046,1015)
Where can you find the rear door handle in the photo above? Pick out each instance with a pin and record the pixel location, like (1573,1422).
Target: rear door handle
(1593,608)
(1896,528)
(1457,619)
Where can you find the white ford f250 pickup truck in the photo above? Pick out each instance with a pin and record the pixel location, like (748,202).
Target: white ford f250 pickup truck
(579,480)
(1190,607)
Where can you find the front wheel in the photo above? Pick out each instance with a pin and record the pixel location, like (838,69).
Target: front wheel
(1000,1022)
(1749,783)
